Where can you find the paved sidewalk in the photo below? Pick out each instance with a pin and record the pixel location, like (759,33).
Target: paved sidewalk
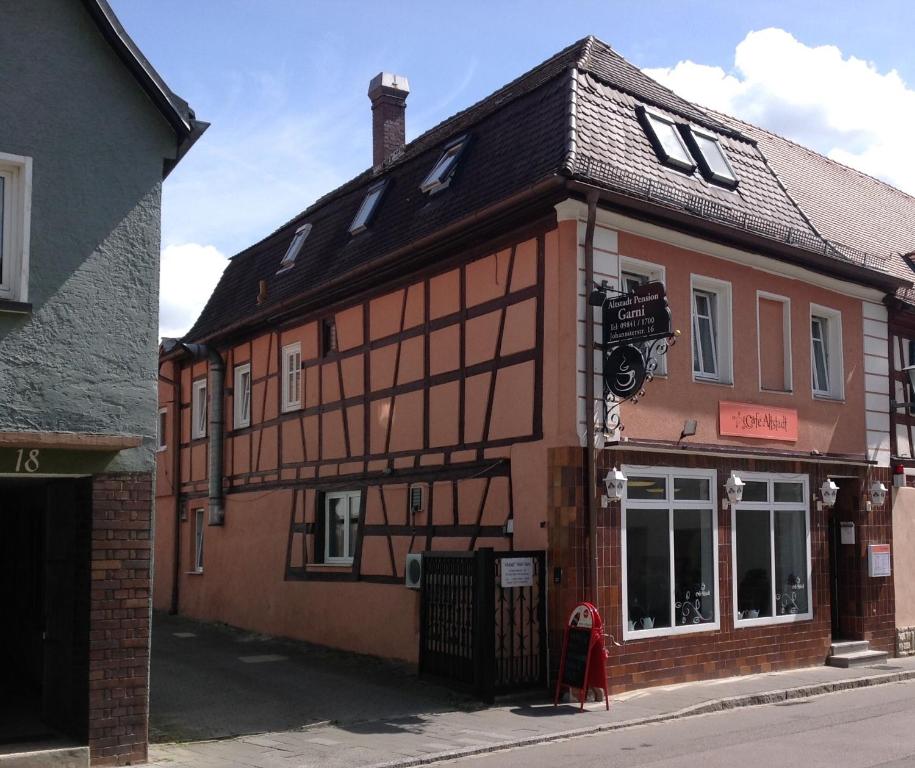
(392,739)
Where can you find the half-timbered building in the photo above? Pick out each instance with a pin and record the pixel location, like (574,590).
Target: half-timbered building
(413,365)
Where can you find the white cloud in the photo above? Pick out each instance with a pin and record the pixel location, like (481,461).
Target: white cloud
(188,274)
(837,104)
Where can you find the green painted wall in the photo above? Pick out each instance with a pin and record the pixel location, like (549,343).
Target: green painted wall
(85,360)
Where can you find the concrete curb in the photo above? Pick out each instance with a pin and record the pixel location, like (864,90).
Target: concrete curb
(707,707)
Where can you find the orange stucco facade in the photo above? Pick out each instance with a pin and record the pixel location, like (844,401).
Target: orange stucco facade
(462,379)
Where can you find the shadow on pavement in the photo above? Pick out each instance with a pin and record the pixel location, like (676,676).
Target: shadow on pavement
(209,681)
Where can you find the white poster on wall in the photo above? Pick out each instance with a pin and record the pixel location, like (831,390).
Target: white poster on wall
(517,572)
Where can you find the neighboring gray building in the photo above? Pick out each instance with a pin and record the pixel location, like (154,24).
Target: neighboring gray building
(88,132)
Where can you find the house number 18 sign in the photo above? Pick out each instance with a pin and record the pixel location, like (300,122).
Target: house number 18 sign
(27,460)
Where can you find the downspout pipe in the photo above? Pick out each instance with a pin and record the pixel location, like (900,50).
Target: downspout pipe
(590,464)
(215,421)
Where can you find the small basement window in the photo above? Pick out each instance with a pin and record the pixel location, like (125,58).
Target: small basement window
(666,140)
(294,247)
(367,209)
(713,163)
(442,172)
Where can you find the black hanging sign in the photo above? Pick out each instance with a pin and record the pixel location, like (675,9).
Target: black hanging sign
(637,316)
(624,371)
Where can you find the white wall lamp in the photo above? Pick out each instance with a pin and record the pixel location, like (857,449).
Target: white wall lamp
(828,492)
(877,493)
(734,487)
(615,483)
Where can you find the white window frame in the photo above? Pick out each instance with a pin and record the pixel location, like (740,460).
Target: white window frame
(367,209)
(724,324)
(705,167)
(653,273)
(15,226)
(295,245)
(772,506)
(442,172)
(241,397)
(162,430)
(199,407)
(349,497)
(668,473)
(199,527)
(786,335)
(834,357)
(653,122)
(292,364)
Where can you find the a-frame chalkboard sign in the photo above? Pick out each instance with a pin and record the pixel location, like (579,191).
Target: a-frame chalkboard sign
(583,662)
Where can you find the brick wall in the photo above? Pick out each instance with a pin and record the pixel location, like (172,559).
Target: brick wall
(120,618)
(868,603)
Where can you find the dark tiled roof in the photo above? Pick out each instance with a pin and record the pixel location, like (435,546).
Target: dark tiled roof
(851,209)
(573,115)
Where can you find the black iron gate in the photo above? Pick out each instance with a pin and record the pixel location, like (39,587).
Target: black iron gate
(477,633)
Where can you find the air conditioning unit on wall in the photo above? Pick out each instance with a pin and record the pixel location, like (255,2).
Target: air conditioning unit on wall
(413,570)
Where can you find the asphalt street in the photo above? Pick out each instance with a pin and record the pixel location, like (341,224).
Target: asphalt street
(861,728)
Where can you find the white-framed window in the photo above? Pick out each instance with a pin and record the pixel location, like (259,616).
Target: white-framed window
(669,551)
(292,376)
(711,329)
(666,140)
(773,335)
(770,545)
(709,154)
(295,245)
(635,272)
(826,363)
(367,210)
(242,396)
(443,171)
(199,409)
(341,526)
(199,525)
(15,226)
(162,430)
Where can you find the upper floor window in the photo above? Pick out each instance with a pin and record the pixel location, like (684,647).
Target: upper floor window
(826,364)
(341,525)
(367,209)
(666,140)
(199,409)
(294,247)
(711,325)
(292,376)
(199,526)
(161,430)
(242,396)
(713,163)
(328,336)
(15,222)
(442,172)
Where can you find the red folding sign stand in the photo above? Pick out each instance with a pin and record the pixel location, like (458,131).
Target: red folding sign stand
(583,663)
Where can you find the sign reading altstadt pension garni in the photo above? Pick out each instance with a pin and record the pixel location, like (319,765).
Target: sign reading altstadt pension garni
(763,422)
(640,315)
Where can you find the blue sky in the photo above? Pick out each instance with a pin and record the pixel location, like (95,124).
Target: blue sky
(284,85)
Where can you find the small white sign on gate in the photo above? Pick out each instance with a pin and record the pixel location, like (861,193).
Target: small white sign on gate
(517,572)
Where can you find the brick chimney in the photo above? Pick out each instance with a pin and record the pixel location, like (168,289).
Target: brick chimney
(389,105)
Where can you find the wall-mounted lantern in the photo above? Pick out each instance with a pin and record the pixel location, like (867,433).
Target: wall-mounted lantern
(615,482)
(828,492)
(734,487)
(877,493)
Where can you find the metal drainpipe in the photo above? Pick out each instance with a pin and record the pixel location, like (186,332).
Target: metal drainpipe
(215,422)
(590,469)
(176,486)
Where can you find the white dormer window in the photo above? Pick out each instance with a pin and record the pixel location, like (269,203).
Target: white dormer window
(666,140)
(15,218)
(367,209)
(442,172)
(294,247)
(711,158)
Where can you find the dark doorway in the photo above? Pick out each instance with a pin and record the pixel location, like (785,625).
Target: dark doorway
(45,530)
(842,560)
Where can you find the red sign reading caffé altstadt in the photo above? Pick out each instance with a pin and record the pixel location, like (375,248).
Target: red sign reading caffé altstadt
(763,422)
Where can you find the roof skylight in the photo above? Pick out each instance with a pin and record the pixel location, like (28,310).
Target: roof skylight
(665,138)
(294,247)
(711,158)
(367,209)
(440,175)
